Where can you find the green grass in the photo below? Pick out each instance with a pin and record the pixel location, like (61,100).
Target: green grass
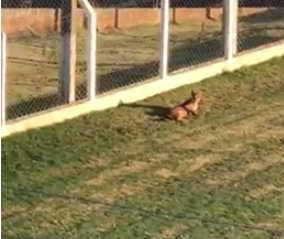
(122,174)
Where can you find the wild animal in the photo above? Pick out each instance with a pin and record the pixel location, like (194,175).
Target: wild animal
(190,106)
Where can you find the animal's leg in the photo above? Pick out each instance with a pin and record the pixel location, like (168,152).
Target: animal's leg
(196,113)
(183,121)
(180,121)
(177,122)
(208,13)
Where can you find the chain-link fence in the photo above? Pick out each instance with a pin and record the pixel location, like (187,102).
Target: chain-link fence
(261,22)
(32,57)
(130,56)
(195,34)
(127,56)
(81,63)
(196,37)
(128,43)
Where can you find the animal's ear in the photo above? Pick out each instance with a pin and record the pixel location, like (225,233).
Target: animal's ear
(193,94)
(199,95)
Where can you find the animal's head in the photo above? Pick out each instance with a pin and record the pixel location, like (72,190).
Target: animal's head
(196,96)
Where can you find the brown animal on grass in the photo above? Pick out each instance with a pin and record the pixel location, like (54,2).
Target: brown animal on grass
(190,106)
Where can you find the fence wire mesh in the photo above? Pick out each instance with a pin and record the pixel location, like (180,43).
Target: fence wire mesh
(32,61)
(260,23)
(32,58)
(131,56)
(128,52)
(81,64)
(195,33)
(127,56)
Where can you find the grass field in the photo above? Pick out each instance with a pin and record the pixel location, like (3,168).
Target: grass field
(124,57)
(122,174)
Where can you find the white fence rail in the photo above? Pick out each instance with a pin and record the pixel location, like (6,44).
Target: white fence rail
(3,78)
(155,84)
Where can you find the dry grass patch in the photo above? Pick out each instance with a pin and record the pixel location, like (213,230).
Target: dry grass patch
(247,169)
(95,162)
(56,216)
(268,134)
(126,168)
(166,173)
(272,227)
(47,206)
(98,200)
(119,193)
(201,161)
(257,124)
(196,164)
(189,166)
(132,167)
(171,232)
(264,190)
(63,213)
(13,210)
(199,142)
(107,225)
(78,208)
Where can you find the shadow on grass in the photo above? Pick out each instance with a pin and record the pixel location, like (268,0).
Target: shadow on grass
(268,16)
(187,55)
(253,35)
(256,37)
(156,112)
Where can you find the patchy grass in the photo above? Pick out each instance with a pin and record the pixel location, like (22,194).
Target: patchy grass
(121,174)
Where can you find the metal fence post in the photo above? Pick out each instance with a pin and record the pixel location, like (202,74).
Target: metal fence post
(91,48)
(3,78)
(164,38)
(91,53)
(230,21)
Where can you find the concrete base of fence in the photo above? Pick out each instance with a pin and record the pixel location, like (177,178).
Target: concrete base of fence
(143,90)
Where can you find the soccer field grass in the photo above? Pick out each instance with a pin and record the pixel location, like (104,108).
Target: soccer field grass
(122,174)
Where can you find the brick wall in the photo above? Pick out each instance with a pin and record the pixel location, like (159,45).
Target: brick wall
(43,20)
